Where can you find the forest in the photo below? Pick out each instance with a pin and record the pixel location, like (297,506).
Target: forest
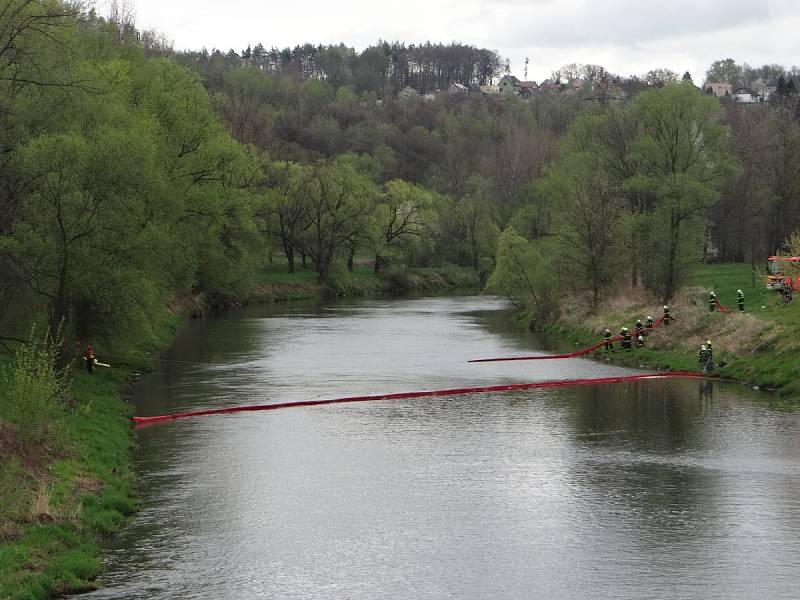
(132,174)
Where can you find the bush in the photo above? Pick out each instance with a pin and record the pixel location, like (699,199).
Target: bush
(37,389)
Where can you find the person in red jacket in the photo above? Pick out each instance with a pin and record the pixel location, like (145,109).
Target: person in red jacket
(90,358)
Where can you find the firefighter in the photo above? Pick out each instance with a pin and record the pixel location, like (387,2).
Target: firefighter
(626,339)
(667,317)
(648,324)
(740,300)
(710,350)
(90,358)
(638,329)
(712,302)
(702,357)
(607,343)
(639,340)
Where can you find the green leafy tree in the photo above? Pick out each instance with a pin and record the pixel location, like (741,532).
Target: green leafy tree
(683,158)
(524,274)
(588,222)
(285,211)
(340,205)
(399,218)
(724,71)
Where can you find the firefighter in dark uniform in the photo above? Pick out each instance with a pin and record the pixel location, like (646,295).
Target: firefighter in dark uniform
(740,300)
(626,338)
(712,302)
(702,357)
(607,343)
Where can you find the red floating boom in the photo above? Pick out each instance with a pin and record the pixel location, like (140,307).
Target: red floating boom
(141,421)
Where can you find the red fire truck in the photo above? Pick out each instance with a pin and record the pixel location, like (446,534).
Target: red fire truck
(783,270)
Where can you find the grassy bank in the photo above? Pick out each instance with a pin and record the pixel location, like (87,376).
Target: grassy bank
(272,283)
(760,346)
(70,485)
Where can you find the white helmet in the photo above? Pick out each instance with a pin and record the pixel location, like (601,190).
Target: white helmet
(649,318)
(703,347)
(665,306)
(738,291)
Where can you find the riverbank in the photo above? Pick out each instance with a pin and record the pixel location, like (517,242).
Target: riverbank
(274,284)
(59,499)
(73,484)
(760,346)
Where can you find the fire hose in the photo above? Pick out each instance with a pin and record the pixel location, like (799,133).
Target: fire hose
(575,354)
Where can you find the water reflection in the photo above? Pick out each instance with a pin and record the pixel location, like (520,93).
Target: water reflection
(649,489)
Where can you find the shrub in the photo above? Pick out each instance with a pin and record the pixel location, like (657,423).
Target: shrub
(37,389)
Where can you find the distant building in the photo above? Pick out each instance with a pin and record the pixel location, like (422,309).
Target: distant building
(509,85)
(528,89)
(550,86)
(765,88)
(490,90)
(746,95)
(457,88)
(719,89)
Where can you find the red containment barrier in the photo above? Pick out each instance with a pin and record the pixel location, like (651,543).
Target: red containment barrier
(142,421)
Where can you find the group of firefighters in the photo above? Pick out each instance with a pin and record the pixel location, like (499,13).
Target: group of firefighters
(640,332)
(643,329)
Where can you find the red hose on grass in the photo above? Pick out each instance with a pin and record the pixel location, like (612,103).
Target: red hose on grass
(575,354)
(143,421)
(722,309)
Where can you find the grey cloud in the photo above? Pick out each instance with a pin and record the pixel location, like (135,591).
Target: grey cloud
(625,23)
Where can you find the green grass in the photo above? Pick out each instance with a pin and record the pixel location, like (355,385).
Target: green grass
(725,279)
(90,486)
(274,283)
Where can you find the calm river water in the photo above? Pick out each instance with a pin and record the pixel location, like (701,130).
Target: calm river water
(655,489)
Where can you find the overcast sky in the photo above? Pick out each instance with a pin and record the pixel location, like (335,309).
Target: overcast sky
(626,37)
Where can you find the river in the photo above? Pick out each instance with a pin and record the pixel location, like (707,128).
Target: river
(649,489)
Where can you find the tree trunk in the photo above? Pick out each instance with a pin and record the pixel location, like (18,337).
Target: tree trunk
(289,258)
(378,264)
(674,231)
(350,257)
(59,313)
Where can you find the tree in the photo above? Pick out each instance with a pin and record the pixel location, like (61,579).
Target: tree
(465,224)
(525,274)
(724,71)
(398,217)
(683,159)
(285,212)
(340,204)
(660,77)
(588,220)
